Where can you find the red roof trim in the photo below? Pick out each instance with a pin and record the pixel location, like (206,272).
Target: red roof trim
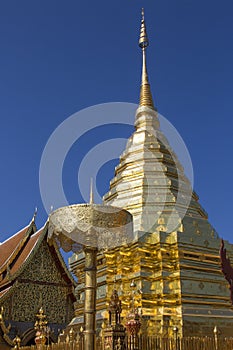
(10,248)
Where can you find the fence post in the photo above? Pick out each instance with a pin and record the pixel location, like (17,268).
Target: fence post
(216,337)
(175,332)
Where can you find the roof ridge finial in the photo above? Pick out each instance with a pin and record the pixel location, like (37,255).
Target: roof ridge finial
(35,214)
(145,93)
(91,192)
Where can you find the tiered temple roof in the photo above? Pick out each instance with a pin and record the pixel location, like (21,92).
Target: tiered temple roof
(14,253)
(32,273)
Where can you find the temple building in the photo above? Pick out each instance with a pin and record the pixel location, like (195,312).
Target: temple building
(33,275)
(172,262)
(174,257)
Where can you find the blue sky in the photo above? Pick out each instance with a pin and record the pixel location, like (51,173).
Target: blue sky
(59,57)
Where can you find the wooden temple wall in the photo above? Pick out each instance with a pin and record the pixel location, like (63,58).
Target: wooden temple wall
(151,343)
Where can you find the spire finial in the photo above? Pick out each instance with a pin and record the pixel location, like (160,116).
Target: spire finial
(145,93)
(143,40)
(91,192)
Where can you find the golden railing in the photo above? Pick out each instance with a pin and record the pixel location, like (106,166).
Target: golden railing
(150,343)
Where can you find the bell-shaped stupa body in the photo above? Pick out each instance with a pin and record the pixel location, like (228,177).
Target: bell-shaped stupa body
(174,257)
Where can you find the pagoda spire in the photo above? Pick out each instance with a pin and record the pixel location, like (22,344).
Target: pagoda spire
(145,93)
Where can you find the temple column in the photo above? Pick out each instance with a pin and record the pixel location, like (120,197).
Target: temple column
(90,298)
